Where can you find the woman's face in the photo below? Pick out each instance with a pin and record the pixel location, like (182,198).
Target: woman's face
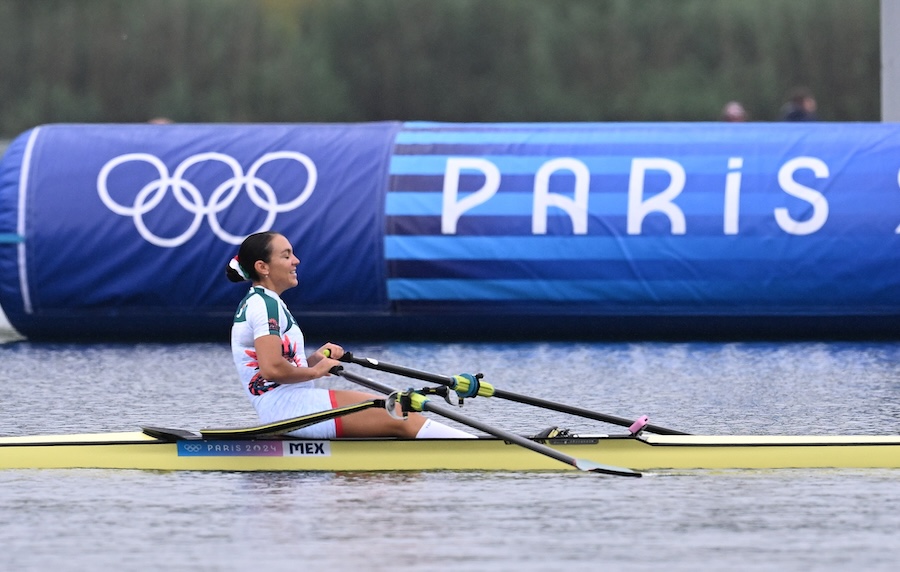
(280,273)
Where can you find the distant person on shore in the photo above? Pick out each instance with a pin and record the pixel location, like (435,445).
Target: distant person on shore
(801,106)
(734,112)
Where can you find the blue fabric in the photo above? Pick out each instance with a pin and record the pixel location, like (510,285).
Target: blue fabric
(114,223)
(813,217)
(147,216)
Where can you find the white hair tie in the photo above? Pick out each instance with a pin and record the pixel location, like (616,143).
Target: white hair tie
(236,266)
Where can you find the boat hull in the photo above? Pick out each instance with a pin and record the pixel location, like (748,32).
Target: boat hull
(136,450)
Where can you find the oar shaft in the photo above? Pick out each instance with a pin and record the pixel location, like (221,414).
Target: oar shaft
(505,435)
(397,369)
(465,420)
(535,401)
(499,433)
(587,413)
(364,381)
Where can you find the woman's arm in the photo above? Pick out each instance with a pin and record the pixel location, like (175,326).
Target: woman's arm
(274,367)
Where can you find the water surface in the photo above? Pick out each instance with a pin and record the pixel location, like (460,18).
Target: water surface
(460,521)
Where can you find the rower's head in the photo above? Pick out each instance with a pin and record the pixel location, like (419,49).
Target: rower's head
(255,248)
(265,258)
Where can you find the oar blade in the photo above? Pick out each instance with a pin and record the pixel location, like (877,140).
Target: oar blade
(593,467)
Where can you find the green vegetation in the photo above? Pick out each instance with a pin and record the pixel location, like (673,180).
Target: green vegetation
(441,60)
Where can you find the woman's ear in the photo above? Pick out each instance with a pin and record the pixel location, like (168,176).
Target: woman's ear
(262,268)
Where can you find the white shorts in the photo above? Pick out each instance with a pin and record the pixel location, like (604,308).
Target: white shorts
(294,400)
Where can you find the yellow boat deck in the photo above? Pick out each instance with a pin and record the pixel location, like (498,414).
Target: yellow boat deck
(137,450)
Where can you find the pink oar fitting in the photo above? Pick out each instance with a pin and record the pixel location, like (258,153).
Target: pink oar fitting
(638,425)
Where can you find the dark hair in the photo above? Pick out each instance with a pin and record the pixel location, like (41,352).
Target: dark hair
(255,247)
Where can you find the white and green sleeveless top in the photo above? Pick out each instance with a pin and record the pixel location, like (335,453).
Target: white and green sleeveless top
(262,313)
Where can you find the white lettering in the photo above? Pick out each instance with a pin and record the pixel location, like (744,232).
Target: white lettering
(898,184)
(453,209)
(577,208)
(638,208)
(812,196)
(732,195)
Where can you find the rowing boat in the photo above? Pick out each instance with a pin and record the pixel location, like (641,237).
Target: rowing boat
(644,447)
(172,449)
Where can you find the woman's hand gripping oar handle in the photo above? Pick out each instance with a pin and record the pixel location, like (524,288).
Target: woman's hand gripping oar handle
(348,357)
(419,402)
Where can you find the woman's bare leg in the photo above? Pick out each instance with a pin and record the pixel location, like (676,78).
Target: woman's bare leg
(374,422)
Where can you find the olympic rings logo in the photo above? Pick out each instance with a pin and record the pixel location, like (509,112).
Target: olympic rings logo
(188,195)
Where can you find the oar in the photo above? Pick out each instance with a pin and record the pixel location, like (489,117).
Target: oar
(348,357)
(294,423)
(422,403)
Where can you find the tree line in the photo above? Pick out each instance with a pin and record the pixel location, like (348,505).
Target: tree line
(440,60)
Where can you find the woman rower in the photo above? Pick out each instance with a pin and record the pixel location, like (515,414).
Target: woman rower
(268,351)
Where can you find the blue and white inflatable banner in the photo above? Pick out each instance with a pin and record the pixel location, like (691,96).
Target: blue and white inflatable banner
(130,226)
(637,218)
(111,227)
